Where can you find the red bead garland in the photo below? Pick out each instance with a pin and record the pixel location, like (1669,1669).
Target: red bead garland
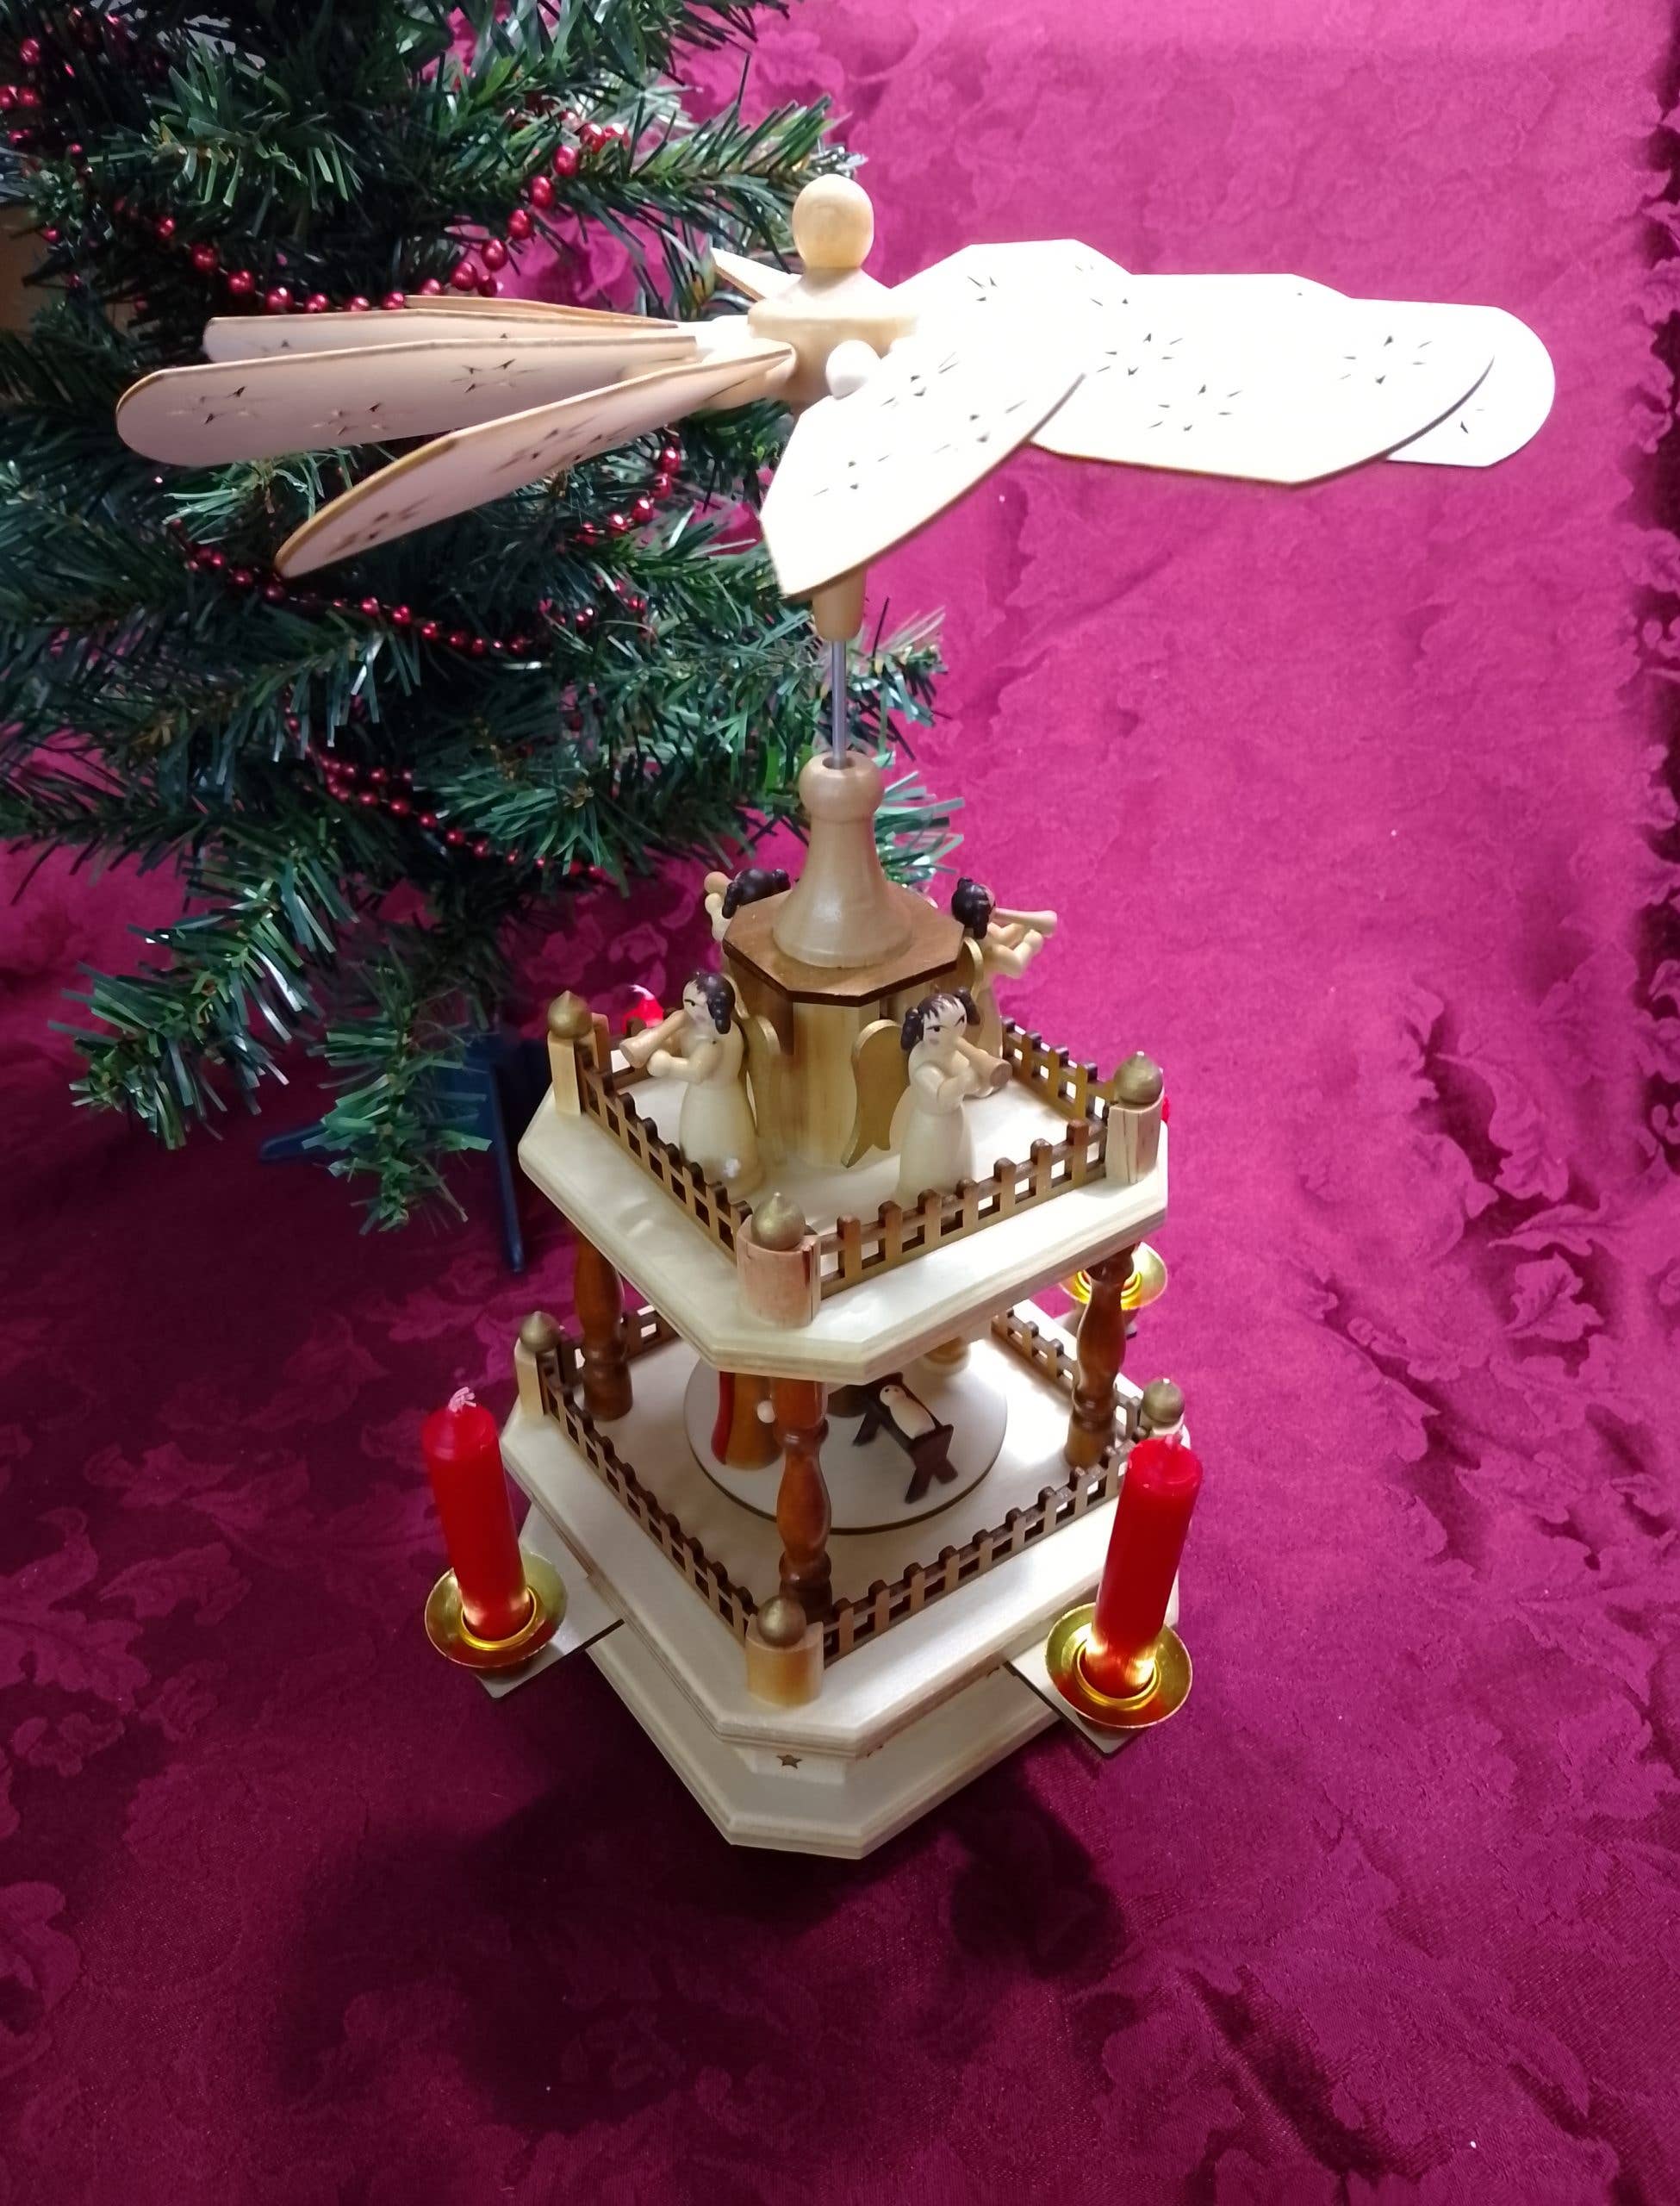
(205,258)
(242,283)
(210,559)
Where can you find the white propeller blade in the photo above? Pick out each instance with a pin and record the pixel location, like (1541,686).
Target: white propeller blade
(1012,285)
(1506,408)
(471,466)
(754,279)
(256,337)
(1292,384)
(862,472)
(313,402)
(1060,286)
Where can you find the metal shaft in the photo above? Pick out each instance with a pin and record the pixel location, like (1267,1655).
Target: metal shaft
(839,725)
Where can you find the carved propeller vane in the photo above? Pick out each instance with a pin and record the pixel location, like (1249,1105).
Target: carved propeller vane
(905,398)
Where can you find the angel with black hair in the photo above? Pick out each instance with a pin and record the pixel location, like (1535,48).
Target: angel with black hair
(929,1129)
(1004,942)
(725,894)
(703,1046)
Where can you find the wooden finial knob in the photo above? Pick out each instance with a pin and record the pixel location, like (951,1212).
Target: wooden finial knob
(781,1621)
(1162,1405)
(834,224)
(568,1017)
(779,1222)
(539,1333)
(1138,1082)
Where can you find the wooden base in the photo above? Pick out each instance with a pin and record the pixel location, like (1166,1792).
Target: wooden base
(799,1803)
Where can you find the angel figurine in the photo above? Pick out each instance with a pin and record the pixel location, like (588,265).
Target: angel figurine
(725,895)
(1004,942)
(942,1070)
(703,1044)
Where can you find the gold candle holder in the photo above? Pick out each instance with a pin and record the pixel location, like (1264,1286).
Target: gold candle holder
(447,1630)
(1147,1284)
(1161,1676)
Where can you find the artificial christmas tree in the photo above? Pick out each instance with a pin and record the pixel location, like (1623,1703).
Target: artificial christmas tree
(364,785)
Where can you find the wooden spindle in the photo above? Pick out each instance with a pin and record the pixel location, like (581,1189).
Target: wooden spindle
(598,1292)
(803,1515)
(1102,1348)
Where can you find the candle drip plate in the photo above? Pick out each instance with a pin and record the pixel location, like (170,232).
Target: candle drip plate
(446,1628)
(1164,1698)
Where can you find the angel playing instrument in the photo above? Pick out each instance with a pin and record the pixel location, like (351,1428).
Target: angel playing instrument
(839,1177)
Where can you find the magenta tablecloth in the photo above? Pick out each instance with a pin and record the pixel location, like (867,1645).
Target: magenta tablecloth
(1347,797)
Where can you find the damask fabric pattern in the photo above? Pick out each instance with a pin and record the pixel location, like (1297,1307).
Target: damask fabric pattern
(1347,795)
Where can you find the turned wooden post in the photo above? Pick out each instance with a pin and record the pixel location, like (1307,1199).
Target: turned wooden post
(534,1354)
(1133,1120)
(1101,1349)
(571,1032)
(802,1508)
(598,1292)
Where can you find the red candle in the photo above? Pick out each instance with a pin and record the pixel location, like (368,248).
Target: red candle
(1150,1522)
(463,1461)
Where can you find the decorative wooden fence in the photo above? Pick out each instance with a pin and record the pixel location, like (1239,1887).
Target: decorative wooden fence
(1073,1091)
(851,1621)
(643,1328)
(853,1249)
(707,1204)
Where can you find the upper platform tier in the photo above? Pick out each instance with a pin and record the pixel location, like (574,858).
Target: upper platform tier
(893,1308)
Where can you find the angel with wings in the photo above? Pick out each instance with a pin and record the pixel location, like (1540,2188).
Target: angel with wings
(904,398)
(703,1046)
(913,1076)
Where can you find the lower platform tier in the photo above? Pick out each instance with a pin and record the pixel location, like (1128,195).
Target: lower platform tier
(901,1721)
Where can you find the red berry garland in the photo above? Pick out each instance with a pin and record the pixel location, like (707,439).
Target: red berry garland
(379,788)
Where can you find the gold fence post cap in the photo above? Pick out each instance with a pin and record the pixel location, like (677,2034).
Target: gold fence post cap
(1162,1404)
(1138,1082)
(778,1222)
(568,1017)
(781,1621)
(539,1333)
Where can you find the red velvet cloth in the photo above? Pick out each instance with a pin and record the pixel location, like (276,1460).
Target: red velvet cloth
(1345,794)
